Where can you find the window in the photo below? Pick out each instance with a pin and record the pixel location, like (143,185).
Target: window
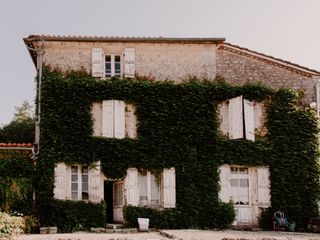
(79,183)
(237,118)
(108,65)
(118,194)
(149,189)
(112,65)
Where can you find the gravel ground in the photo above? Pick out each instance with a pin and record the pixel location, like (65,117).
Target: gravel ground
(177,235)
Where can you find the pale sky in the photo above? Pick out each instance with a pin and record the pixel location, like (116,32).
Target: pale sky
(287,29)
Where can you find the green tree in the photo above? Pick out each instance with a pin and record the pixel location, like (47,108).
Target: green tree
(21,128)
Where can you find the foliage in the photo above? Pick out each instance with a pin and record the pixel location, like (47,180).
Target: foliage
(31,224)
(178,127)
(266,218)
(10,226)
(70,216)
(16,172)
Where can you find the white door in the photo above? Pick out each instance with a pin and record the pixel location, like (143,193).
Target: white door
(240,194)
(118,201)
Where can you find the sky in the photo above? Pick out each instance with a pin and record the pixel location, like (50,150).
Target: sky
(286,29)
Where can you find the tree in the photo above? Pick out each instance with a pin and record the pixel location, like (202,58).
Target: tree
(21,128)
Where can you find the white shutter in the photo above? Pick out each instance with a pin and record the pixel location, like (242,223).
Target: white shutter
(249,119)
(95,194)
(131,121)
(97,62)
(169,188)
(224,118)
(132,187)
(225,191)
(119,119)
(108,118)
(129,58)
(60,181)
(96,112)
(235,118)
(263,187)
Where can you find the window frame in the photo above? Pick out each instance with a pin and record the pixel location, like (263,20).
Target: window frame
(80,183)
(113,72)
(149,178)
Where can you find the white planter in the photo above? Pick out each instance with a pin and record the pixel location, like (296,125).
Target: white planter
(143,223)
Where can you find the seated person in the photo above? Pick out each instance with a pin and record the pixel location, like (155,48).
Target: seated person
(280,219)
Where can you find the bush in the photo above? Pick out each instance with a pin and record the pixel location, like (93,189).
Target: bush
(10,225)
(266,219)
(70,216)
(31,224)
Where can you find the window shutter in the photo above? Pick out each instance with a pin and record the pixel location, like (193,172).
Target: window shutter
(129,58)
(97,62)
(224,118)
(119,119)
(235,118)
(108,118)
(225,191)
(263,187)
(249,119)
(96,113)
(60,181)
(95,193)
(131,121)
(169,188)
(132,187)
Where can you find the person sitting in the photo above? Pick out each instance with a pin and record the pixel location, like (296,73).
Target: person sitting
(280,220)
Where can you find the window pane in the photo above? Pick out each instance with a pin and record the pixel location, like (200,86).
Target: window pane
(117,58)
(84,170)
(74,177)
(143,188)
(234,182)
(85,178)
(74,169)
(108,58)
(74,195)
(74,186)
(244,183)
(154,190)
(117,67)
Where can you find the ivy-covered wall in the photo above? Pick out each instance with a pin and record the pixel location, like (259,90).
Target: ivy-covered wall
(178,127)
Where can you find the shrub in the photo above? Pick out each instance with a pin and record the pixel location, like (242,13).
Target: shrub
(10,225)
(31,224)
(70,216)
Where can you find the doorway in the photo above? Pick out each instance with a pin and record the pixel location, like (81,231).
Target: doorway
(108,198)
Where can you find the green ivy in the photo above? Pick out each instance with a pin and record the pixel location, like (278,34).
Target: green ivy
(178,127)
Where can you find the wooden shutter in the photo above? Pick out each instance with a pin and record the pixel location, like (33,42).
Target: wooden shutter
(97,62)
(225,191)
(263,187)
(119,119)
(132,187)
(169,188)
(248,108)
(95,193)
(96,113)
(235,116)
(108,118)
(129,58)
(131,121)
(60,181)
(224,118)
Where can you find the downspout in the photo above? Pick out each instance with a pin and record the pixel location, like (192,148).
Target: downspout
(39,52)
(318,96)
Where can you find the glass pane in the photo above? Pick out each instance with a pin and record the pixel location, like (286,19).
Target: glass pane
(74,169)
(74,186)
(84,170)
(244,183)
(85,178)
(85,196)
(74,177)
(117,67)
(85,187)
(234,182)
(243,170)
(234,170)
(108,58)
(74,195)
(143,186)
(117,58)
(154,190)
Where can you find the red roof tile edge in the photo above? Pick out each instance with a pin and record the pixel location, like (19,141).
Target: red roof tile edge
(13,145)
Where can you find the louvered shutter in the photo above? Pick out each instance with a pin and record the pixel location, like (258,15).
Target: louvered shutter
(97,62)
(60,181)
(129,58)
(248,108)
(108,118)
(132,187)
(119,119)
(130,121)
(96,112)
(225,191)
(95,188)
(169,188)
(263,187)
(235,116)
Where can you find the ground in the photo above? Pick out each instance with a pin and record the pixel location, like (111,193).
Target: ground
(177,235)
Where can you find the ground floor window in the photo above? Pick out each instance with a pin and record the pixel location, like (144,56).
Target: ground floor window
(79,182)
(239,180)
(149,189)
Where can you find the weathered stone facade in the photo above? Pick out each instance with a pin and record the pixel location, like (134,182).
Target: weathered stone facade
(238,69)
(161,61)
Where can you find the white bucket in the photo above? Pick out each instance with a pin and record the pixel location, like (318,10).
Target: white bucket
(143,223)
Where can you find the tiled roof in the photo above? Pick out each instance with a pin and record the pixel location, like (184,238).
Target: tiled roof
(272,60)
(16,145)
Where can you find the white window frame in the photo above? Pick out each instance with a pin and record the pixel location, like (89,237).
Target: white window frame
(150,177)
(113,62)
(79,183)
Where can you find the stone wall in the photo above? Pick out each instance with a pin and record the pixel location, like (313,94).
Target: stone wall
(161,61)
(240,69)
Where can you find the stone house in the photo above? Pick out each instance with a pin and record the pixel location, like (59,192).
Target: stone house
(174,59)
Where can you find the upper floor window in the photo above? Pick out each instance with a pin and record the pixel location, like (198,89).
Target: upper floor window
(241,118)
(108,65)
(112,65)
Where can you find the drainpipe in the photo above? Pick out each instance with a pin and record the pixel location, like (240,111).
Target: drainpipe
(39,52)
(318,96)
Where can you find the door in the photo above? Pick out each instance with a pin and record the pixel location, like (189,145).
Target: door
(240,194)
(118,201)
